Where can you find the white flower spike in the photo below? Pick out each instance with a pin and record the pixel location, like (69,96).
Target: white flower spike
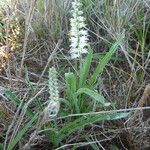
(53,106)
(78,34)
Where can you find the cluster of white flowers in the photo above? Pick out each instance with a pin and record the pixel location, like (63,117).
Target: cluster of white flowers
(78,34)
(52,108)
(53,84)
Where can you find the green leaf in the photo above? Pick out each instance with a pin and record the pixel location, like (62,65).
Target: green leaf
(104,61)
(99,98)
(21,133)
(86,120)
(84,69)
(1,147)
(93,145)
(71,82)
(11,96)
(70,79)
(40,6)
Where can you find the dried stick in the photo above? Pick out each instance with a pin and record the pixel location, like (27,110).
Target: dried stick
(27,27)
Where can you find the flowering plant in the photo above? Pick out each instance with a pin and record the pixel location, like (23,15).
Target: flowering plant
(78,34)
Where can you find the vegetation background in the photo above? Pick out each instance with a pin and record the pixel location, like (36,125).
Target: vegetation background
(104,98)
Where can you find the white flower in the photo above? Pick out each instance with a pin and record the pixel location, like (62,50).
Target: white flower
(83,32)
(53,85)
(78,34)
(51,110)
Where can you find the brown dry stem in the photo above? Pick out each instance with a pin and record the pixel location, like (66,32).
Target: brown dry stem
(143,101)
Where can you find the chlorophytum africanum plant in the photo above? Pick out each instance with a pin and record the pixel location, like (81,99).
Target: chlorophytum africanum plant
(81,95)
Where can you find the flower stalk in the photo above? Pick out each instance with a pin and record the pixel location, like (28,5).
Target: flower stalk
(53,104)
(78,33)
(52,108)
